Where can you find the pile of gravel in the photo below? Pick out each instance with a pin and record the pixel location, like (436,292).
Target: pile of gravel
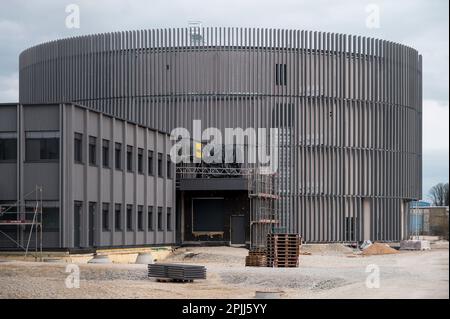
(281,279)
(107,274)
(221,255)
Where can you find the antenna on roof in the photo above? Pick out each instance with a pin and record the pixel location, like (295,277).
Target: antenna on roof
(195,32)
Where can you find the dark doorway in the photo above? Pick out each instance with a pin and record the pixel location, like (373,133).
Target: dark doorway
(237,230)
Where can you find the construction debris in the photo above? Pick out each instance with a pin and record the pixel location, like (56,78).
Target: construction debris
(378,249)
(176,272)
(415,245)
(305,253)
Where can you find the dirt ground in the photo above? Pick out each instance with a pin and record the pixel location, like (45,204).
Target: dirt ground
(331,271)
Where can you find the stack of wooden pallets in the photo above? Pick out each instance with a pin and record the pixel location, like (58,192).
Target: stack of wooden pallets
(283,250)
(256,258)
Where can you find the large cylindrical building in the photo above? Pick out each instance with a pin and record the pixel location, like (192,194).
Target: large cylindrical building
(348,109)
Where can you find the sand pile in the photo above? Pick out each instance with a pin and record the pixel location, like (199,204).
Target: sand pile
(379,249)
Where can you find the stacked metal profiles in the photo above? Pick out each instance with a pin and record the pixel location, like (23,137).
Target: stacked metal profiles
(177,272)
(283,250)
(256,258)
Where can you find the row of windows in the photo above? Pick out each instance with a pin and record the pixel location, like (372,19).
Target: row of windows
(106,146)
(36,149)
(106,220)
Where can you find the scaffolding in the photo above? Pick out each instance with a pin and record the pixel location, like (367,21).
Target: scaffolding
(263,209)
(22,215)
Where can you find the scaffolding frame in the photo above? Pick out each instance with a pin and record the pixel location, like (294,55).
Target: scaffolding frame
(20,221)
(264,215)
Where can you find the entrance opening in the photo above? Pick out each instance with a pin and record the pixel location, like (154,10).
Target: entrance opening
(208,217)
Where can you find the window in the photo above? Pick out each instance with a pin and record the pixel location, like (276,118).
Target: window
(140,218)
(129,217)
(105,153)
(169,219)
(91,222)
(160,221)
(169,167)
(118,156)
(150,163)
(92,150)
(150,218)
(50,219)
(77,148)
(160,167)
(8,149)
(118,217)
(129,158)
(140,161)
(41,149)
(105,216)
(281,74)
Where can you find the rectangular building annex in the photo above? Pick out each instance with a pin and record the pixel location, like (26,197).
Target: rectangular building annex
(105,182)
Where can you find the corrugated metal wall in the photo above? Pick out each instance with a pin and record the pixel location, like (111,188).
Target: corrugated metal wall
(349,109)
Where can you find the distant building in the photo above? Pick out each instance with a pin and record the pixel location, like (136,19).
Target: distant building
(429,221)
(419,203)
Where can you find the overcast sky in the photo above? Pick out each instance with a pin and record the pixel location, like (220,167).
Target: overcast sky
(422,24)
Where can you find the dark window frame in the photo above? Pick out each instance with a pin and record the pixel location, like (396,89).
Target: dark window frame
(118,156)
(140,161)
(105,217)
(3,145)
(159,221)
(168,167)
(105,153)
(44,146)
(160,166)
(129,217)
(78,148)
(150,163)
(118,217)
(281,74)
(150,224)
(129,158)
(140,218)
(92,151)
(169,219)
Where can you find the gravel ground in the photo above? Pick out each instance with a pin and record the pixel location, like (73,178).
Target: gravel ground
(326,273)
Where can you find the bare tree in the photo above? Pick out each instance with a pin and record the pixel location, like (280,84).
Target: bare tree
(439,194)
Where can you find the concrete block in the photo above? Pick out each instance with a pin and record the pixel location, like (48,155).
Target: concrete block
(415,245)
(100,259)
(144,259)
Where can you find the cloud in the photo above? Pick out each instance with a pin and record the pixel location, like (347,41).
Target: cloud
(435,117)
(9,88)
(435,169)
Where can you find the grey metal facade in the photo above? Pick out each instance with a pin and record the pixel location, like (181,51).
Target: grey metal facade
(349,109)
(89,199)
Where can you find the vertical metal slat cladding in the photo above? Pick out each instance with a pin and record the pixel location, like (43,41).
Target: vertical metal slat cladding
(349,109)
